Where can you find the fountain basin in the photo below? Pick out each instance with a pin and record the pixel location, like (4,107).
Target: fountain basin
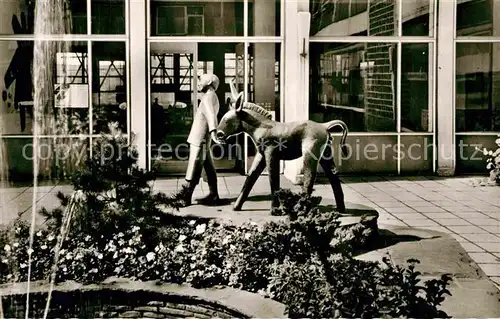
(131,299)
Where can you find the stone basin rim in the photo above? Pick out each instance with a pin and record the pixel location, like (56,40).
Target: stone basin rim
(219,296)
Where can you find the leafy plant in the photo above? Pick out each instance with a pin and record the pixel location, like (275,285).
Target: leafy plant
(111,193)
(493,161)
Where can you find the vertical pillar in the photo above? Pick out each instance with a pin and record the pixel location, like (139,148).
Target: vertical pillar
(264,53)
(495,65)
(445,109)
(138,77)
(296,97)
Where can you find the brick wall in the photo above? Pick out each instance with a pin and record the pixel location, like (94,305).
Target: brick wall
(108,303)
(380,86)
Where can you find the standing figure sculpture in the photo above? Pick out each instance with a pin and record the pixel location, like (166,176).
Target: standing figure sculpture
(203,132)
(277,141)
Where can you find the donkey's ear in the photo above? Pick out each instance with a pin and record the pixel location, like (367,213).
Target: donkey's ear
(239,103)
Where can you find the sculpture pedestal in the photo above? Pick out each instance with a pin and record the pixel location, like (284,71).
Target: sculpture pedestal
(358,226)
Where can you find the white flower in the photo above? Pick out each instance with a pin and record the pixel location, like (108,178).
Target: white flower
(99,256)
(39,234)
(43,247)
(247,235)
(136,229)
(87,238)
(65,269)
(128,250)
(120,234)
(50,237)
(23,265)
(200,229)
(30,251)
(15,245)
(5,261)
(7,248)
(182,238)
(179,248)
(150,256)
(69,256)
(192,222)
(226,239)
(93,270)
(78,256)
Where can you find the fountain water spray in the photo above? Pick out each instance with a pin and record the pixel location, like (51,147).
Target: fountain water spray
(51,19)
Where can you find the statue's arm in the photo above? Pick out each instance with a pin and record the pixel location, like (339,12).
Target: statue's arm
(209,105)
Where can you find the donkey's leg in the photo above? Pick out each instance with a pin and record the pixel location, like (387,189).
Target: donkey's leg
(310,169)
(328,166)
(257,168)
(273,165)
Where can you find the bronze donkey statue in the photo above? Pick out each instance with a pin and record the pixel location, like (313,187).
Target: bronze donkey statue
(277,141)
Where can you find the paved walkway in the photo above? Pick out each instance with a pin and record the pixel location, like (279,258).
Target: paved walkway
(452,205)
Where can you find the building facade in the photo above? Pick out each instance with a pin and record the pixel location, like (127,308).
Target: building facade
(413,79)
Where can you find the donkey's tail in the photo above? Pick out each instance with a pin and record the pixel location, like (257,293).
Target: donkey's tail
(345,130)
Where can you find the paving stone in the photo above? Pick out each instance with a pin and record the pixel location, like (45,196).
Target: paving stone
(429,209)
(466,229)
(484,221)
(451,221)
(405,216)
(441,229)
(492,229)
(482,238)
(419,203)
(391,204)
(444,215)
(484,258)
(420,222)
(469,215)
(397,210)
(496,280)
(457,237)
(490,247)
(493,215)
(470,247)
(490,269)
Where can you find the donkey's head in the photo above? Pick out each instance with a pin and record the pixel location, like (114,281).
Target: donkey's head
(231,122)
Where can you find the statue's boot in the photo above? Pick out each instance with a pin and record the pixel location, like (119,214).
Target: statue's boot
(212,199)
(184,197)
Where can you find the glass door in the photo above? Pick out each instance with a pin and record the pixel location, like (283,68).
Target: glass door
(173,96)
(174,69)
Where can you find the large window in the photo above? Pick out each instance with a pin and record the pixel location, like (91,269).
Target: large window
(215,18)
(85,81)
(175,64)
(383,90)
(477,81)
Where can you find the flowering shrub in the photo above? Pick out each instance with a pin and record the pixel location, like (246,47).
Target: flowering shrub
(493,161)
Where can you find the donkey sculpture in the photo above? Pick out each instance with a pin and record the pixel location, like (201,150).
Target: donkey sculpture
(277,141)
